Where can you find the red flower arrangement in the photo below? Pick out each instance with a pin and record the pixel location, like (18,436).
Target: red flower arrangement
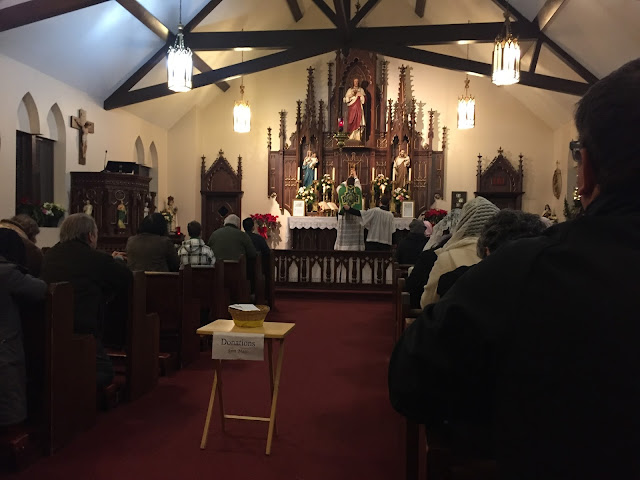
(434,215)
(265,222)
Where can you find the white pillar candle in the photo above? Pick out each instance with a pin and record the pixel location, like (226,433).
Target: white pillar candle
(298,173)
(409,174)
(333,174)
(373,174)
(315,174)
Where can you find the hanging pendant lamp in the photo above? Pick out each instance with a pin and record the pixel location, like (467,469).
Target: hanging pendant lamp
(466,106)
(179,62)
(242,111)
(506,56)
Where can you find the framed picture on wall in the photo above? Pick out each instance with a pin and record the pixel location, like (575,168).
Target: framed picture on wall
(407,209)
(458,199)
(299,208)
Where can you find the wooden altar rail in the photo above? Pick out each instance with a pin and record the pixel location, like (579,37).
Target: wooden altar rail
(333,270)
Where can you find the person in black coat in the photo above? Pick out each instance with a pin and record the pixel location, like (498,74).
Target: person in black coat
(96,277)
(259,242)
(15,286)
(535,349)
(412,245)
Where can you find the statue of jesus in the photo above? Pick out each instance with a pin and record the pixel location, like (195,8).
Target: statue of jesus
(355,99)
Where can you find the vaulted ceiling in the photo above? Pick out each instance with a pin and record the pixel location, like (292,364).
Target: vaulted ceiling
(115,49)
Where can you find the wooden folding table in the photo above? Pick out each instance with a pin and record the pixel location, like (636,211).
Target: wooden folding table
(272,331)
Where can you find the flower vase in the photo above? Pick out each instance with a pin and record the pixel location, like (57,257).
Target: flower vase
(50,221)
(396,208)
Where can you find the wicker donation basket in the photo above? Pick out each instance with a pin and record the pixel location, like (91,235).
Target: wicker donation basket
(249,319)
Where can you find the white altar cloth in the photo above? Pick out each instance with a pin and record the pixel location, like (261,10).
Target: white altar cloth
(332,223)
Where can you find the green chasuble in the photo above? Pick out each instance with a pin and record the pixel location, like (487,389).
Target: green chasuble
(350,235)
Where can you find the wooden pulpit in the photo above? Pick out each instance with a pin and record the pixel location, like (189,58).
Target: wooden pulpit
(117,201)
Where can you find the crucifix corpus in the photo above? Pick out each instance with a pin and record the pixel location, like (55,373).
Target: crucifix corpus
(85,127)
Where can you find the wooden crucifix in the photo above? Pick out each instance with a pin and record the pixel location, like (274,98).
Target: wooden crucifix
(80,123)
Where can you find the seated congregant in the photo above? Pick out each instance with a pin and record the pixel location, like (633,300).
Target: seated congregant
(28,229)
(412,245)
(194,251)
(229,242)
(95,276)
(507,226)
(536,347)
(461,249)
(16,286)
(151,250)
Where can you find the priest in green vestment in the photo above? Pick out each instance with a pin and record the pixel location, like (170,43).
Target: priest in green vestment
(350,230)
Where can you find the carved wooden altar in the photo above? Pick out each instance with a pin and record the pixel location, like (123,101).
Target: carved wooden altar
(221,191)
(107,192)
(501,183)
(390,127)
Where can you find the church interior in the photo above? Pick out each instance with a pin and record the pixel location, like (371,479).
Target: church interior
(89,123)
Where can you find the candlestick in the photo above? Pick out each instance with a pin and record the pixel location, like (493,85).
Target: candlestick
(298,177)
(373,174)
(409,174)
(333,174)
(315,174)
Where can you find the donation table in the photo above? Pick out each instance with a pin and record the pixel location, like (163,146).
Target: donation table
(271,331)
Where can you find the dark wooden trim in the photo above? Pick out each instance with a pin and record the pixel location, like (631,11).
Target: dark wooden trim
(36,10)
(330,14)
(560,52)
(420,6)
(342,15)
(269,39)
(201,15)
(214,76)
(203,66)
(360,14)
(146,18)
(536,55)
(547,12)
(454,63)
(295,10)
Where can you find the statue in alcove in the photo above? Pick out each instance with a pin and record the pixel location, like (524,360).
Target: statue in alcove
(309,168)
(355,98)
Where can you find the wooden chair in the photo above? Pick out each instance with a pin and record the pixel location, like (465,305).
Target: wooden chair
(235,280)
(61,371)
(170,295)
(208,289)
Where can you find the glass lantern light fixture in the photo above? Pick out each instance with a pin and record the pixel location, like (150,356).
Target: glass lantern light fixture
(506,56)
(466,109)
(179,62)
(242,111)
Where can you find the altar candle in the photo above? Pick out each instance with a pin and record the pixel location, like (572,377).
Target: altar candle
(409,174)
(315,174)
(333,174)
(298,174)
(373,174)
(383,188)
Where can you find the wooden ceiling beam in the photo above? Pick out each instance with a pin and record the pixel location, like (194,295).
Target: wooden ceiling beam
(536,56)
(420,6)
(250,66)
(324,8)
(460,64)
(547,12)
(295,10)
(342,15)
(36,10)
(360,14)
(199,17)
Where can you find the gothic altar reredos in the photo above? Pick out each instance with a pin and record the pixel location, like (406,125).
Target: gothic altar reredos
(389,127)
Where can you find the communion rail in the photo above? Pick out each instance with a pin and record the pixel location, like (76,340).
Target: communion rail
(333,270)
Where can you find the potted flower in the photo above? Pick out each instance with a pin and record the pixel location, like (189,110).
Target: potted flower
(381,184)
(266,223)
(434,215)
(308,194)
(399,195)
(325,185)
(52,213)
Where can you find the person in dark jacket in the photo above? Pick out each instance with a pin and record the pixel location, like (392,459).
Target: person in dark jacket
(95,276)
(229,242)
(258,241)
(152,250)
(28,229)
(15,286)
(537,346)
(412,245)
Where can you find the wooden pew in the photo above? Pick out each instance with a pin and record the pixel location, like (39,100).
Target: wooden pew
(235,280)
(260,294)
(136,345)
(170,296)
(270,281)
(208,289)
(61,370)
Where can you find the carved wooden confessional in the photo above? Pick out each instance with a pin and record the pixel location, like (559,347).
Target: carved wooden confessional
(500,182)
(390,127)
(221,191)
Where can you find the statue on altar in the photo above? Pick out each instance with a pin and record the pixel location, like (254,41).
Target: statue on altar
(400,170)
(309,169)
(122,215)
(355,99)
(88,208)
(172,214)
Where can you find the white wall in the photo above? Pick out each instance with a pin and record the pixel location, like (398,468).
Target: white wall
(502,121)
(115,131)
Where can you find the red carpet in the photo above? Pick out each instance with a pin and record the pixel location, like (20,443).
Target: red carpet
(334,417)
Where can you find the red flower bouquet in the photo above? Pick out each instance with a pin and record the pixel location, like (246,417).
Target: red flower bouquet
(265,223)
(434,215)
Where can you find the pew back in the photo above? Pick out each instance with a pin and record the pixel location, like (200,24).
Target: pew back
(235,279)
(208,289)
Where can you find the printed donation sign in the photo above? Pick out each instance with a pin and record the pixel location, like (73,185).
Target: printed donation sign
(238,346)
